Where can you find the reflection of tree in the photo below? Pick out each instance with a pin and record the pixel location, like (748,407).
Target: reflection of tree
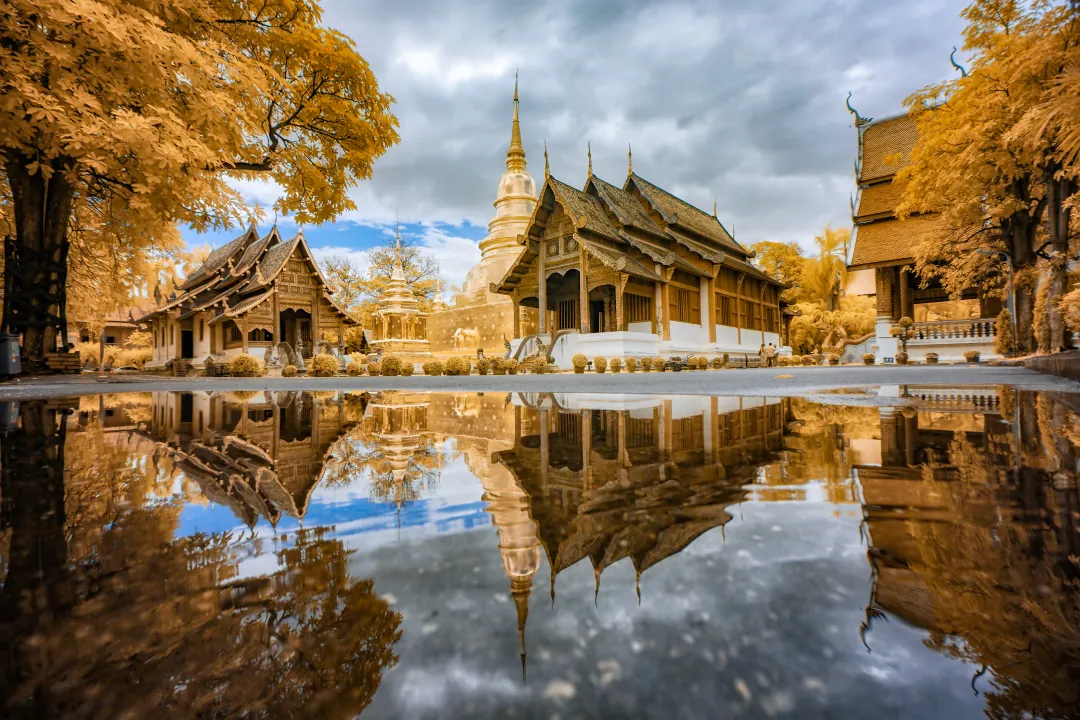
(118,618)
(403,485)
(1004,574)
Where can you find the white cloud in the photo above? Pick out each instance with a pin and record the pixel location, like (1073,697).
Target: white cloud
(359,258)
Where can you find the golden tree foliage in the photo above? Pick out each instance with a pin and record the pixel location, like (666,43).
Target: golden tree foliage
(816,289)
(988,158)
(141,108)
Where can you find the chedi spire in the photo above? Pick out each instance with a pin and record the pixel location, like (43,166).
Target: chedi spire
(515,156)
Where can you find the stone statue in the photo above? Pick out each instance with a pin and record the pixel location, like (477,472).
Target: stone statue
(506,344)
(270,358)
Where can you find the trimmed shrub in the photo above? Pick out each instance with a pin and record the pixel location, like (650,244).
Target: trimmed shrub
(1003,341)
(808,360)
(482,366)
(353,369)
(539,365)
(498,366)
(457,366)
(599,363)
(391,366)
(868,358)
(901,358)
(511,366)
(631,364)
(931,358)
(289,371)
(580,361)
(374,369)
(433,367)
(971,356)
(658,364)
(717,363)
(245,366)
(325,365)
(358,358)
(834,359)
(615,365)
(407,369)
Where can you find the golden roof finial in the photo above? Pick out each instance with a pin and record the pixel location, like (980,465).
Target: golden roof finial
(714,208)
(515,156)
(590,158)
(547,169)
(629,160)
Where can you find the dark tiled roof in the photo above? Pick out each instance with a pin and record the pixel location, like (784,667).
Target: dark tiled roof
(251,255)
(619,260)
(686,215)
(271,264)
(584,209)
(890,240)
(217,260)
(886,147)
(880,198)
(625,206)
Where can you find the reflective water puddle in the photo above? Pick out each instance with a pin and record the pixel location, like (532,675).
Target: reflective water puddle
(406,554)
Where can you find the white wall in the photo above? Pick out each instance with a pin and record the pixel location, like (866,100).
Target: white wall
(685,333)
(640,327)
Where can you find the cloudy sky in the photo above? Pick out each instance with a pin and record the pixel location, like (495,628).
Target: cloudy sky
(741,101)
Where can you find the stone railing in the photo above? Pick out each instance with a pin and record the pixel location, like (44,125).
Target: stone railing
(979,330)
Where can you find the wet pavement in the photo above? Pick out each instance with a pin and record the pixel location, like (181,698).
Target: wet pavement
(419,554)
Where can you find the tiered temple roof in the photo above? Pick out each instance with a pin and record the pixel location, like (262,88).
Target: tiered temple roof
(238,276)
(631,229)
(879,238)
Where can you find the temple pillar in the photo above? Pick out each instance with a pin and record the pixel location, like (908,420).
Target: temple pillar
(704,293)
(907,304)
(739,308)
(711,319)
(583,294)
(244,332)
(620,320)
(275,310)
(541,278)
(885,279)
(658,300)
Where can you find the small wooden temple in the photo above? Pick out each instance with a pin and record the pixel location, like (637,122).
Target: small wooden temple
(250,296)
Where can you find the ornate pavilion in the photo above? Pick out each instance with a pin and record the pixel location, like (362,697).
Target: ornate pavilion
(635,270)
(880,256)
(247,297)
(400,326)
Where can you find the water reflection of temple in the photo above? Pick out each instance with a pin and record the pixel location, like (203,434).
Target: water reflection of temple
(262,454)
(972,514)
(615,479)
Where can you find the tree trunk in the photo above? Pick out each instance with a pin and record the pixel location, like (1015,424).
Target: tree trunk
(1057,225)
(1019,235)
(36,265)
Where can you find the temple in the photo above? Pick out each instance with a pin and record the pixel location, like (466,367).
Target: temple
(263,296)
(880,256)
(479,318)
(634,270)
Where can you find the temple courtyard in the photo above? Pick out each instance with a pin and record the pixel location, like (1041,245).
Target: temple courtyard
(887,382)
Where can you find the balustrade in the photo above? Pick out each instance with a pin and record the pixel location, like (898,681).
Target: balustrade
(974,330)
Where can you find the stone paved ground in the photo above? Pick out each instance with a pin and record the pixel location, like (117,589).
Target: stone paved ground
(760,381)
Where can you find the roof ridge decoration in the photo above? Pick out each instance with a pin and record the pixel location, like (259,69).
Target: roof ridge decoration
(629,160)
(590,157)
(547,168)
(958,66)
(859,119)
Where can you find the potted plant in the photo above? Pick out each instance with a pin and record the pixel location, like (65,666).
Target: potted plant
(579,361)
(599,363)
(834,359)
(901,358)
(931,358)
(868,358)
(631,364)
(615,365)
(971,356)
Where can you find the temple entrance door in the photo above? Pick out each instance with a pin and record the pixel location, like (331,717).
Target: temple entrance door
(187,343)
(596,316)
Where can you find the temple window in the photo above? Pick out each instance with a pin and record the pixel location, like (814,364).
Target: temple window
(201,330)
(638,308)
(685,298)
(235,334)
(259,335)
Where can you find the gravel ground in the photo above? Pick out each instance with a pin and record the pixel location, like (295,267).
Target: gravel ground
(759,381)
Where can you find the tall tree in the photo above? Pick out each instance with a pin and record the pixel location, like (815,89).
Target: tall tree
(146,106)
